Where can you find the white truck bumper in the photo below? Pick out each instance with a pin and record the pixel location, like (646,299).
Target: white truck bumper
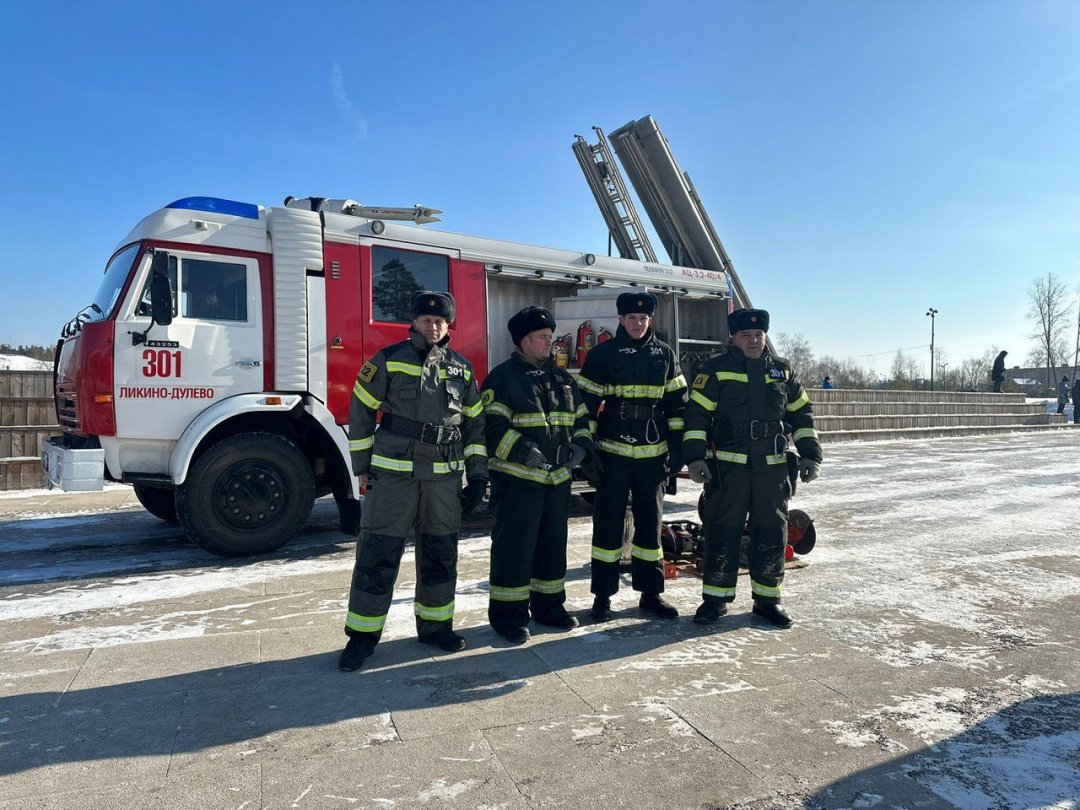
(72,470)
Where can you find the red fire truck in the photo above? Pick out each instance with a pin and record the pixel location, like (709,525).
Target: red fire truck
(213,368)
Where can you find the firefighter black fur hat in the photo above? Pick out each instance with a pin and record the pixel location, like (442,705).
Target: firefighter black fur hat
(426,302)
(628,303)
(742,319)
(528,320)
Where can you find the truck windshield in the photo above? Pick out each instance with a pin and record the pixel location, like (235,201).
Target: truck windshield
(115,276)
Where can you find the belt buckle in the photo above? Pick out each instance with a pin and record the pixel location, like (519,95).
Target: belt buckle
(426,433)
(753,430)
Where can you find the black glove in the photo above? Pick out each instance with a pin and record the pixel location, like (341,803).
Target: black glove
(593,468)
(672,486)
(472,495)
(699,471)
(808,470)
(535,458)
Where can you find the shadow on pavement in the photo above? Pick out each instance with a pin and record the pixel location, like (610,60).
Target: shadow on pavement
(188,713)
(80,547)
(1024,756)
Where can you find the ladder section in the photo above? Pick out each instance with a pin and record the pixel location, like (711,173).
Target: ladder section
(606,183)
(672,203)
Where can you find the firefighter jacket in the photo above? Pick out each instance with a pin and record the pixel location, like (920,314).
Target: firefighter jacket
(528,405)
(635,394)
(432,395)
(740,409)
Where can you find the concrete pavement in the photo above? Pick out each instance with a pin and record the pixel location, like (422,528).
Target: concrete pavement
(933,663)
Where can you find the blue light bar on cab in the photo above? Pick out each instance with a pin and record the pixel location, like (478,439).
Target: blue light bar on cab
(217,206)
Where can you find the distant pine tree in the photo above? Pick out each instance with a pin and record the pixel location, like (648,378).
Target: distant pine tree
(36,352)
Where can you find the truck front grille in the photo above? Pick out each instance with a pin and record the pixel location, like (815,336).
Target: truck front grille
(67,407)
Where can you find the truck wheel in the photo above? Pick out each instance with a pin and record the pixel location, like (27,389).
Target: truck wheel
(249,494)
(159,502)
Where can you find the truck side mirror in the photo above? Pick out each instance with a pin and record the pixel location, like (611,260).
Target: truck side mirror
(161,291)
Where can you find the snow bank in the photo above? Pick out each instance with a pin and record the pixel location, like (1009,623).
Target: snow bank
(16,362)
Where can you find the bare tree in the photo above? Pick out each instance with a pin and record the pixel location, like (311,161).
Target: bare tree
(1050,311)
(904,370)
(973,373)
(796,349)
(1076,348)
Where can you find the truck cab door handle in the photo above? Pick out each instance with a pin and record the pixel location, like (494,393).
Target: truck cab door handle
(248,363)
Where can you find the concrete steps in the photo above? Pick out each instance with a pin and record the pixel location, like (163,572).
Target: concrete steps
(27,418)
(881,414)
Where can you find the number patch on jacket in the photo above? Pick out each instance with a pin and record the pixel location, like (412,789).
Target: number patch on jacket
(368,372)
(700,380)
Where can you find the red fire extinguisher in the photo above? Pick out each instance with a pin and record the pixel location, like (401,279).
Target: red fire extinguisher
(562,351)
(586,339)
(604,335)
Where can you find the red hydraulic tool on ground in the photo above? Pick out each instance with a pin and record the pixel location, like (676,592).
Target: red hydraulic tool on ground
(683,541)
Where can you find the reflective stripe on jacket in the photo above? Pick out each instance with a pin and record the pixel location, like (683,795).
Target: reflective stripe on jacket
(526,406)
(641,373)
(732,396)
(434,386)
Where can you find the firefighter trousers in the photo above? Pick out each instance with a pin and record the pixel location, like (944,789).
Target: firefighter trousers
(735,497)
(395,506)
(642,481)
(528,551)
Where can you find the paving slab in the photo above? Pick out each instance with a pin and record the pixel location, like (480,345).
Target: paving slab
(284,721)
(456,770)
(81,747)
(816,728)
(213,788)
(35,676)
(170,666)
(484,688)
(628,756)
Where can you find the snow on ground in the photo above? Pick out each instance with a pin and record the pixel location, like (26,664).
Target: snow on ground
(957,553)
(16,362)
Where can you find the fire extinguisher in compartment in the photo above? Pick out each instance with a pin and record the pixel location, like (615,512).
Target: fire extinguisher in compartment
(561,349)
(604,336)
(586,339)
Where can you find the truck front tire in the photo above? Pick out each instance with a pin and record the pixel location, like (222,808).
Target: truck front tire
(159,502)
(249,494)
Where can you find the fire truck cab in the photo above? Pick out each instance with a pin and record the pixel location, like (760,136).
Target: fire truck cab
(214,367)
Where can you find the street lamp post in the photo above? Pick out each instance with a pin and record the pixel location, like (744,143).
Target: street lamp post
(932,313)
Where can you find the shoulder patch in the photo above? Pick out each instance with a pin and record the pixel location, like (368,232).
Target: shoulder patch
(488,396)
(367,372)
(700,380)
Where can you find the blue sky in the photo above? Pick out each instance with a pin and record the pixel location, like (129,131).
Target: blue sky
(861,161)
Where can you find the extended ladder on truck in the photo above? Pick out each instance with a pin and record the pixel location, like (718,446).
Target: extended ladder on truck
(616,206)
(668,196)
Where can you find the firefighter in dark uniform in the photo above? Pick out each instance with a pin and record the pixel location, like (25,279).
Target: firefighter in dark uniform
(431,430)
(743,404)
(537,431)
(635,394)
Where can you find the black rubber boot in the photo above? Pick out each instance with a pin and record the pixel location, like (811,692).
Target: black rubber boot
(709,612)
(515,635)
(356,652)
(556,618)
(654,604)
(774,614)
(601,609)
(445,639)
